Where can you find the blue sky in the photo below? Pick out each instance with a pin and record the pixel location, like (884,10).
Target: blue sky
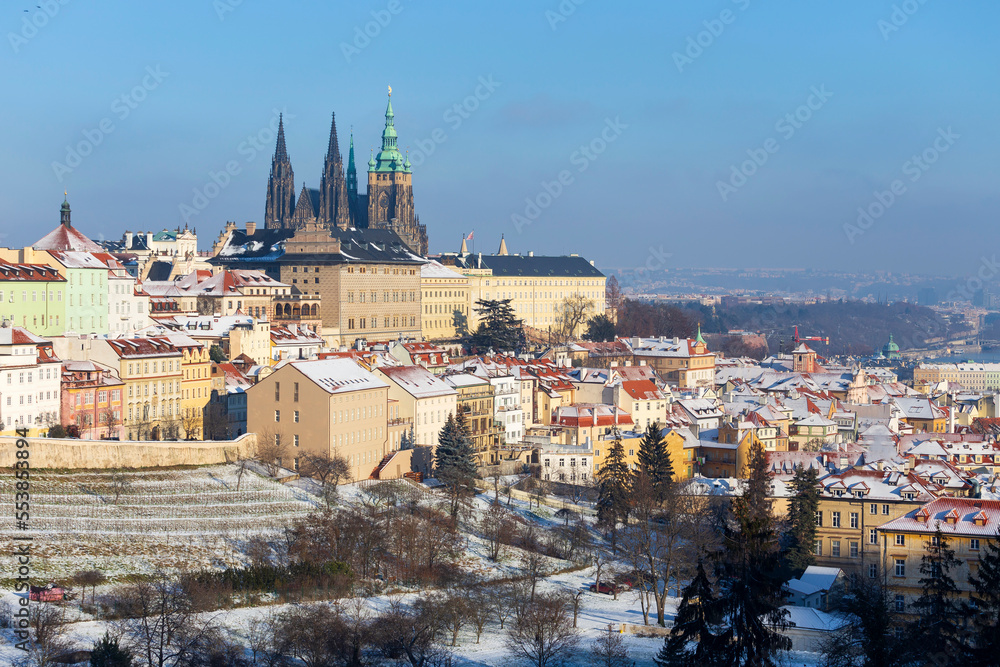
(664,133)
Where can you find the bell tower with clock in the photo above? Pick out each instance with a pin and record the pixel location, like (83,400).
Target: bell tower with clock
(390,190)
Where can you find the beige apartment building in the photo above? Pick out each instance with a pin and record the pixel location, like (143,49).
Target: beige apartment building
(367,280)
(425,399)
(445,299)
(332,406)
(968,524)
(536,285)
(369,289)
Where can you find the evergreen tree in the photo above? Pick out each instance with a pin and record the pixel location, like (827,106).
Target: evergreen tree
(984,648)
(499,326)
(752,591)
(654,461)
(697,620)
(801,536)
(455,461)
(935,627)
(868,639)
(614,482)
(108,653)
(600,329)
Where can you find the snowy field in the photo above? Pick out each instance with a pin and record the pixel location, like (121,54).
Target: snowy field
(167,520)
(193,519)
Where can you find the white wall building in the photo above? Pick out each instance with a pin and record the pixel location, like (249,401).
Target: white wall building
(507,406)
(424,396)
(30,376)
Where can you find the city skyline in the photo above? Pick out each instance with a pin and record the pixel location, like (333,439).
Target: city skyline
(564,122)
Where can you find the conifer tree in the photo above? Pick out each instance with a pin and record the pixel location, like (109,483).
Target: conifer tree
(935,627)
(455,461)
(654,460)
(614,482)
(751,590)
(694,638)
(801,536)
(984,647)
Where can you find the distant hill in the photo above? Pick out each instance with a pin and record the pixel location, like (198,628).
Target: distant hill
(854,327)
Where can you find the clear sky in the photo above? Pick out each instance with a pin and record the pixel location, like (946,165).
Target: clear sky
(665,98)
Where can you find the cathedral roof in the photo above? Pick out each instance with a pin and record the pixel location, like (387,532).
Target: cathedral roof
(357,246)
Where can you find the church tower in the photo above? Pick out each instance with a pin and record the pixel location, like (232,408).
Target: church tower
(390,190)
(334,208)
(359,218)
(280,204)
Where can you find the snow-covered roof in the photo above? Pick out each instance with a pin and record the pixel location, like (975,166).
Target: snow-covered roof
(417,381)
(338,375)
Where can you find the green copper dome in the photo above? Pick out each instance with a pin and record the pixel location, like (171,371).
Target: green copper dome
(389,159)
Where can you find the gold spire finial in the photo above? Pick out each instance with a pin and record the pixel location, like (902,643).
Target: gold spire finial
(390,91)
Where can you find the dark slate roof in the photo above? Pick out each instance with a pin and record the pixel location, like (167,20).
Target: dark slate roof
(539,266)
(357,245)
(160,271)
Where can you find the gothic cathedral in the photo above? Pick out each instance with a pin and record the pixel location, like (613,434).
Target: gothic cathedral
(388,203)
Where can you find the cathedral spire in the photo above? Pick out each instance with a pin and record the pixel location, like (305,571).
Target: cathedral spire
(280,153)
(280,203)
(503,246)
(333,148)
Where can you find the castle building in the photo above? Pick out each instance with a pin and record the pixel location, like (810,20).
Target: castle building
(388,203)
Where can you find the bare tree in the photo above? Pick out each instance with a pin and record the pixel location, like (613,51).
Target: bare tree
(500,600)
(479,609)
(329,470)
(572,314)
(455,610)
(158,622)
(613,298)
(120,482)
(92,578)
(48,635)
(411,634)
(533,564)
(271,449)
(110,421)
(609,649)
(263,637)
(544,635)
(497,527)
(191,422)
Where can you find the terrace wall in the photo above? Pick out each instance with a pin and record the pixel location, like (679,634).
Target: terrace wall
(103,454)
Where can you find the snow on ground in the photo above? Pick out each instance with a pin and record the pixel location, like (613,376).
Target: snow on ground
(195,518)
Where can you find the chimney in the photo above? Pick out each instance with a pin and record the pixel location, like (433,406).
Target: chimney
(251,228)
(128,240)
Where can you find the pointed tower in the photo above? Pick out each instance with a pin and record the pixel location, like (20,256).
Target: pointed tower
(503,246)
(358,217)
(390,190)
(305,209)
(465,248)
(334,208)
(280,204)
(64,211)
